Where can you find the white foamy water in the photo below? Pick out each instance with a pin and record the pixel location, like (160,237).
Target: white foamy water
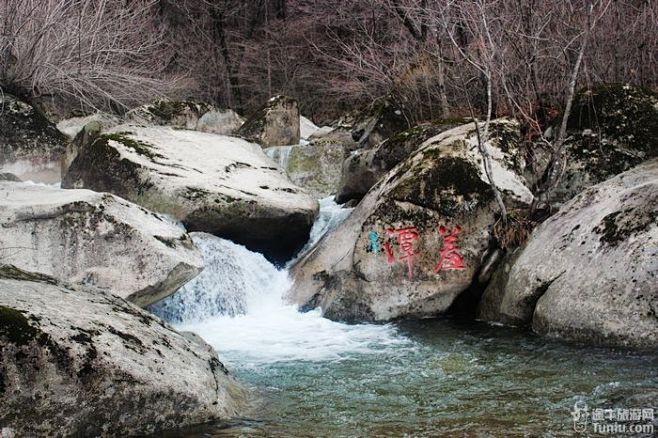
(237,306)
(280,155)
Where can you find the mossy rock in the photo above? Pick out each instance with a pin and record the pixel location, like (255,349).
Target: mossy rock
(276,123)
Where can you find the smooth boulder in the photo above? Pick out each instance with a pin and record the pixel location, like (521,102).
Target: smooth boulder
(419,237)
(82,362)
(212,183)
(30,146)
(589,273)
(96,239)
(275,124)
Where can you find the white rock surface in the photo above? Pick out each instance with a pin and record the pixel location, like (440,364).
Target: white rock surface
(93,238)
(82,362)
(217,184)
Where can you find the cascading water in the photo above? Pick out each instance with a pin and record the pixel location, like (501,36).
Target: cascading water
(236,304)
(280,155)
(315,377)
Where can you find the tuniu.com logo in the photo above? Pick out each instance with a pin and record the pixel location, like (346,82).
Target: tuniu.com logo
(580,416)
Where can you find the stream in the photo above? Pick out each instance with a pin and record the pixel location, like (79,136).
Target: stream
(310,376)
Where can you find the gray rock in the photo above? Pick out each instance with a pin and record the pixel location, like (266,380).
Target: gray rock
(275,124)
(224,122)
(174,113)
(30,146)
(589,273)
(364,167)
(83,362)
(83,139)
(315,167)
(443,193)
(73,126)
(220,185)
(95,238)
(9,177)
(611,129)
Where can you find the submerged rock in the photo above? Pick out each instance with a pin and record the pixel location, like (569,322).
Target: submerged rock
(97,239)
(274,124)
(220,185)
(418,238)
(364,167)
(83,362)
(30,146)
(611,129)
(589,273)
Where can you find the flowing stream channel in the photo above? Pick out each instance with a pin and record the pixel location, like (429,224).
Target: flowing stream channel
(313,377)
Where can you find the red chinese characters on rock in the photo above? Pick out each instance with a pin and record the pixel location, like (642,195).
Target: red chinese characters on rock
(406,238)
(449,258)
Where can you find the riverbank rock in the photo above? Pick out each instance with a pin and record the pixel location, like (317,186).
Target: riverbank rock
(612,128)
(73,126)
(220,185)
(419,237)
(30,146)
(220,121)
(274,124)
(82,362)
(92,238)
(589,272)
(174,113)
(315,167)
(364,167)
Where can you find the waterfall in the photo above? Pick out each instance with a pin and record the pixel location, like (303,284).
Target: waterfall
(280,155)
(236,304)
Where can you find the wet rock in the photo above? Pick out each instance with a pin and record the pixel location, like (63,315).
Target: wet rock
(221,185)
(82,362)
(612,128)
(275,124)
(30,146)
(92,238)
(419,237)
(589,272)
(364,167)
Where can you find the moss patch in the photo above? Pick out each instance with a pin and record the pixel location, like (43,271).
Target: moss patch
(140,147)
(15,327)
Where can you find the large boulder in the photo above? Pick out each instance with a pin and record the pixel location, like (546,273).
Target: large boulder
(220,185)
(419,237)
(315,166)
(275,124)
(364,167)
(377,123)
(611,129)
(30,146)
(83,362)
(93,238)
(589,272)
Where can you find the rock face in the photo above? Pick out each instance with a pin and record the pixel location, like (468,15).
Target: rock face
(92,238)
(83,362)
(30,146)
(275,124)
(315,167)
(216,184)
(418,238)
(382,121)
(611,129)
(220,121)
(589,272)
(364,167)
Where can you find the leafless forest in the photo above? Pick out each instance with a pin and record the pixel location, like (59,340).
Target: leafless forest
(434,59)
